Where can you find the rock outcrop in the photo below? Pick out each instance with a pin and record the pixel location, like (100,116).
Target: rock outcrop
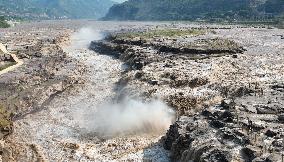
(230,130)
(228,108)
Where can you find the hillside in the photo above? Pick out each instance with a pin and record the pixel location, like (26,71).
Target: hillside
(195,9)
(3,23)
(55,9)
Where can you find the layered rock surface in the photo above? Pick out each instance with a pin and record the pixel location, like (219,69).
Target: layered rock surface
(225,85)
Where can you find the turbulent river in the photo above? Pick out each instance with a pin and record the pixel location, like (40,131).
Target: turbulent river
(67,129)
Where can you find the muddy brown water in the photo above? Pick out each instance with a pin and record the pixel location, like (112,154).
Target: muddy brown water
(56,132)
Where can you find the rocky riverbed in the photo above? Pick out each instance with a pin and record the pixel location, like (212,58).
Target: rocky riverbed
(224,83)
(112,99)
(64,84)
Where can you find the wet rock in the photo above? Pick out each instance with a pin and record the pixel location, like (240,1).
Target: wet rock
(175,131)
(180,145)
(278,143)
(249,108)
(207,113)
(153,82)
(38,54)
(278,87)
(281,118)
(196,153)
(227,104)
(217,155)
(217,124)
(272,158)
(270,133)
(235,56)
(265,109)
(107,48)
(243,91)
(182,140)
(228,136)
(169,49)
(250,153)
(5,57)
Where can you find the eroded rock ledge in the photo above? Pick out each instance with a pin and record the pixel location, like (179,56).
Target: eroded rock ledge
(224,111)
(233,130)
(141,48)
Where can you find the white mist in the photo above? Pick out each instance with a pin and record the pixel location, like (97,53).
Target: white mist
(128,117)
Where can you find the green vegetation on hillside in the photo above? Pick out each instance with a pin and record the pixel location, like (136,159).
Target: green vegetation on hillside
(3,23)
(55,9)
(217,10)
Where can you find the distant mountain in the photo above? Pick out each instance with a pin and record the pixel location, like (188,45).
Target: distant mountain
(275,7)
(195,9)
(55,9)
